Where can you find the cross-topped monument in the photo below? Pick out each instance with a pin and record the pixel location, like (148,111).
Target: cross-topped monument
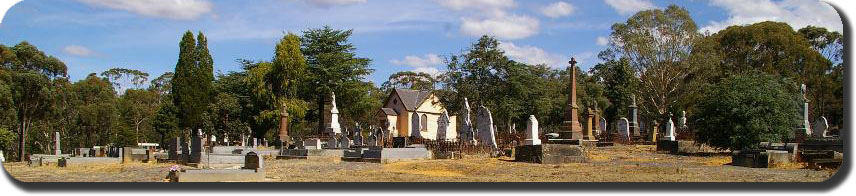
(571,128)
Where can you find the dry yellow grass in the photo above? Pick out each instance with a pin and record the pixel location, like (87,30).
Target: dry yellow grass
(717,161)
(420,168)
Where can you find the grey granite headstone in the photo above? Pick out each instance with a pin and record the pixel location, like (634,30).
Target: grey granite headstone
(634,117)
(602,126)
(486,130)
(532,132)
(442,126)
(344,142)
(358,139)
(332,143)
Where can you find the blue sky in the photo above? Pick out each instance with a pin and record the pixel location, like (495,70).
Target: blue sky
(91,36)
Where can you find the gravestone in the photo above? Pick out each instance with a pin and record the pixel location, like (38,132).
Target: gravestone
(821,127)
(442,126)
(57,145)
(486,130)
(465,131)
(634,116)
(283,139)
(654,131)
(415,126)
(602,127)
(312,144)
(344,142)
(589,133)
(253,161)
(2,157)
(174,147)
(571,128)
(332,143)
(196,147)
(623,127)
(358,139)
(669,131)
(334,127)
(682,122)
(532,132)
(804,129)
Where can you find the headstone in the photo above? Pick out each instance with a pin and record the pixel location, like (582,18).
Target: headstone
(283,126)
(442,126)
(344,142)
(532,132)
(358,139)
(213,140)
(465,131)
(334,127)
(2,157)
(332,143)
(196,147)
(670,131)
(57,145)
(602,126)
(415,126)
(804,128)
(634,118)
(623,127)
(821,127)
(312,144)
(253,161)
(571,128)
(653,136)
(486,130)
(682,122)
(174,147)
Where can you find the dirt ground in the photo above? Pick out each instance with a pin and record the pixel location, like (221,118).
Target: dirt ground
(610,164)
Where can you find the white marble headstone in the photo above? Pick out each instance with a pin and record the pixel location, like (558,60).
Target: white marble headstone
(486,130)
(2,157)
(334,127)
(670,131)
(623,127)
(821,127)
(532,132)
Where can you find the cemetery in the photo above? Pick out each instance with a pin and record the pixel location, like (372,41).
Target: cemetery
(660,102)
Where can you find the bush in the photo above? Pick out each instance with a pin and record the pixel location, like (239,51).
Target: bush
(743,110)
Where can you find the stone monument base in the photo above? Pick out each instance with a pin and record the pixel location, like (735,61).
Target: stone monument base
(550,154)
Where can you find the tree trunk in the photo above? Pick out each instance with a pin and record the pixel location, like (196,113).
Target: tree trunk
(321,115)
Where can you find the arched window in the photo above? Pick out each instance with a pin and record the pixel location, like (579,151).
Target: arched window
(424,121)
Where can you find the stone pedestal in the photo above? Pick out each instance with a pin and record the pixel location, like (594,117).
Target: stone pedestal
(550,154)
(589,133)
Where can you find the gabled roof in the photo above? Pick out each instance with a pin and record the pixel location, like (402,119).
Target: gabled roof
(412,98)
(389,111)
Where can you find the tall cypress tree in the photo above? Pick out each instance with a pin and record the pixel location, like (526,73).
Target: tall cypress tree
(193,80)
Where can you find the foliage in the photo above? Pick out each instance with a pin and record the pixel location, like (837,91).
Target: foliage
(192,84)
(744,110)
(409,80)
(134,77)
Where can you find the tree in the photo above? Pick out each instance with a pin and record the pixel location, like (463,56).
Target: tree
(193,81)
(409,80)
(162,84)
(619,83)
(657,44)
(138,106)
(746,109)
(333,67)
(165,122)
(829,100)
(130,76)
(29,72)
(99,118)
(223,117)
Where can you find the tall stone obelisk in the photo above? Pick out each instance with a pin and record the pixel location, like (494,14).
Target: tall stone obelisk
(571,128)
(283,125)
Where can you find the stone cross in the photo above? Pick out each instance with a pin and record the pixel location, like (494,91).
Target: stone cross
(415,125)
(57,150)
(623,126)
(670,131)
(486,130)
(571,128)
(532,132)
(334,127)
(442,126)
(821,127)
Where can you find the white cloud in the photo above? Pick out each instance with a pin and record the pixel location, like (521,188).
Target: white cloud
(627,7)
(77,50)
(797,13)
(4,6)
(427,63)
(531,55)
(492,7)
(491,17)
(333,3)
(558,9)
(504,27)
(172,9)
(602,41)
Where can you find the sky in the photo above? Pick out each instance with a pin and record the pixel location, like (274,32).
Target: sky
(92,36)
